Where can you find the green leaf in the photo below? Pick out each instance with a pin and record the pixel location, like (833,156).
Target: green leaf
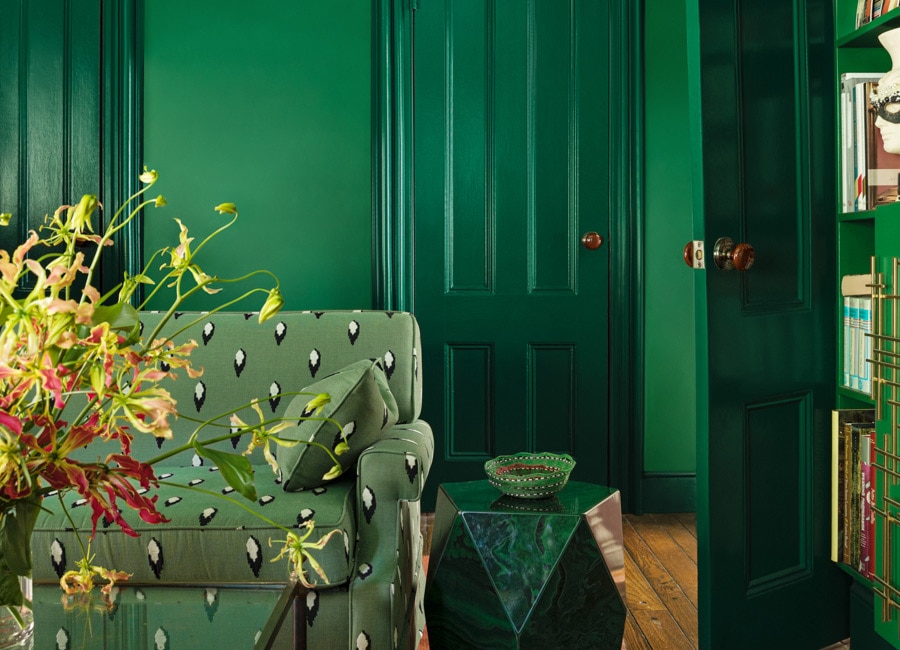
(10,589)
(15,534)
(236,469)
(122,317)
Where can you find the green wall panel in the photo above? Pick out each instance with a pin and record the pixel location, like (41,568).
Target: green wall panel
(266,105)
(670,373)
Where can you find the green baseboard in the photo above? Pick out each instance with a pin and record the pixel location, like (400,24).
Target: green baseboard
(669,492)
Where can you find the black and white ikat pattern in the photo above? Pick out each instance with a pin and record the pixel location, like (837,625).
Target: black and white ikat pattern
(368,503)
(365,570)
(209,330)
(58,557)
(280,332)
(155,557)
(312,607)
(274,396)
(207,516)
(254,555)
(305,515)
(240,361)
(363,641)
(389,364)
(315,362)
(353,331)
(344,435)
(199,395)
(412,467)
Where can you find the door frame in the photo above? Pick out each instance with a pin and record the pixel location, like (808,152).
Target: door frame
(393,214)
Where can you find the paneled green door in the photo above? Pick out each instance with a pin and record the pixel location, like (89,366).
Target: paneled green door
(512,169)
(762,86)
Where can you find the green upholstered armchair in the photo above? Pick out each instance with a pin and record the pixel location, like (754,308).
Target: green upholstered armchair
(373,595)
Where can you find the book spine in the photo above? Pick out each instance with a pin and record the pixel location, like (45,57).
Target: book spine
(848,347)
(855,494)
(854,343)
(866,498)
(835,486)
(865,345)
(847,160)
(846,475)
(859,121)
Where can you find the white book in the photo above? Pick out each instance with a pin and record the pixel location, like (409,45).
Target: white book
(865,351)
(848,349)
(854,343)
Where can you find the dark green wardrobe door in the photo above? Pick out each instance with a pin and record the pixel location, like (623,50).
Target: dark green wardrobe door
(512,169)
(763,87)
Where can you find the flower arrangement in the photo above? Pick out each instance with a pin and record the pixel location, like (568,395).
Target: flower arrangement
(75,368)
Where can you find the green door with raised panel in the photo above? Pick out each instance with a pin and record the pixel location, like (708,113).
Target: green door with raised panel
(763,122)
(512,169)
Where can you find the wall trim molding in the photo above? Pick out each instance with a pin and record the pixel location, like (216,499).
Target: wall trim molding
(665,492)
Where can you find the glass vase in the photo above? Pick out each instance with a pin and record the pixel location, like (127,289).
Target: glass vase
(17,632)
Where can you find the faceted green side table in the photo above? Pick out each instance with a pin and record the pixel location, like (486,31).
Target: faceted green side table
(518,573)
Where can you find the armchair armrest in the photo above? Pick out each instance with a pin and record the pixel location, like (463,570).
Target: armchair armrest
(390,477)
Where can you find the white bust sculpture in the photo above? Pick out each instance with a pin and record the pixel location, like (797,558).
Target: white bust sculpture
(887,100)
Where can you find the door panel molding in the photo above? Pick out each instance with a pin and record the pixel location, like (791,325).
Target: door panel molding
(777,440)
(393,215)
(470,376)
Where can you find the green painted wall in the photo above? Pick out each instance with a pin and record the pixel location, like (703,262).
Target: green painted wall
(670,372)
(267,106)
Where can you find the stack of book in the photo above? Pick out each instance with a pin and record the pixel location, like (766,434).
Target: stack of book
(857,324)
(853,489)
(869,10)
(868,173)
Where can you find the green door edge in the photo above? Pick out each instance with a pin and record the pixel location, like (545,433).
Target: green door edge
(393,216)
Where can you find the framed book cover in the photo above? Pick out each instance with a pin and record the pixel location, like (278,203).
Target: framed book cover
(882,168)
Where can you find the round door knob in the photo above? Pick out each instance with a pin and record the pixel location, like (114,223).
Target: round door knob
(743,256)
(591,241)
(728,255)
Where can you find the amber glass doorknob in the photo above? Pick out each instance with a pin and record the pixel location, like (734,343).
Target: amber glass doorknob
(729,255)
(591,241)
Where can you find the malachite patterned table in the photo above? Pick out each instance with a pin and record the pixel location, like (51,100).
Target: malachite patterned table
(517,573)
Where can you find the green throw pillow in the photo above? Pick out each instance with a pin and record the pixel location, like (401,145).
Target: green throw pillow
(363,405)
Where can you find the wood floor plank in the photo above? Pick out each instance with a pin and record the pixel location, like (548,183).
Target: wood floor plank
(678,532)
(673,558)
(654,572)
(638,592)
(634,638)
(689,521)
(662,632)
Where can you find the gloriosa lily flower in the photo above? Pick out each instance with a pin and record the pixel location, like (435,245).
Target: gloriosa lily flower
(297,549)
(75,369)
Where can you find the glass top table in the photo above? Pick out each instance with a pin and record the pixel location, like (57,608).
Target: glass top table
(170,617)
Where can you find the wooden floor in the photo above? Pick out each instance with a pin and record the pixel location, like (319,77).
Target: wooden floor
(660,582)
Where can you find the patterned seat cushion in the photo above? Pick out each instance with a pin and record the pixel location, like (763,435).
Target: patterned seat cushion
(209,540)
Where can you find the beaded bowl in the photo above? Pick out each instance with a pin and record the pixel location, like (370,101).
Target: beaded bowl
(529,476)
